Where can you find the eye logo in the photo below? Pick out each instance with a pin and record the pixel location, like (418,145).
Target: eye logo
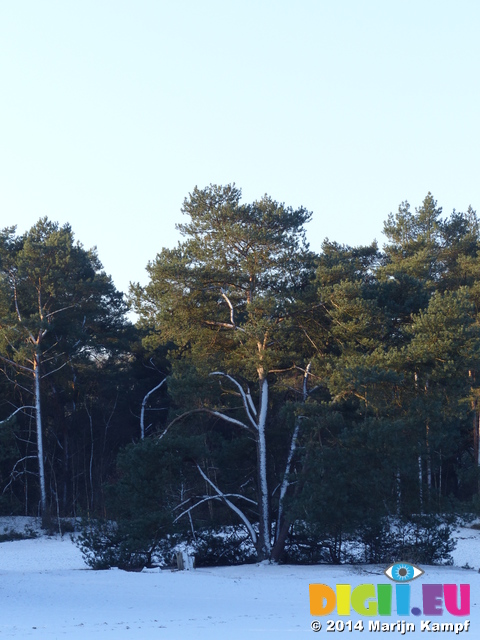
(403,572)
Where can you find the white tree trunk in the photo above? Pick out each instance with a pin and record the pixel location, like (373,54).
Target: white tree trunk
(256,424)
(262,467)
(420,482)
(38,417)
(144,404)
(398,490)
(477,428)
(293,446)
(285,483)
(234,508)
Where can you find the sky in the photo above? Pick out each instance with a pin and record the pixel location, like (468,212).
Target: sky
(112,111)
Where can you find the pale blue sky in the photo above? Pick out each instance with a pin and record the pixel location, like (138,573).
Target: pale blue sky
(112,111)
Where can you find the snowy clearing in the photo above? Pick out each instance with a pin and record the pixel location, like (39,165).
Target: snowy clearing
(47,592)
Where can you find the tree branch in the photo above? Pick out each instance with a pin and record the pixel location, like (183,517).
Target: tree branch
(52,313)
(26,406)
(207,498)
(250,402)
(238,511)
(230,305)
(144,403)
(15,383)
(15,364)
(285,482)
(13,472)
(55,370)
(247,400)
(305,380)
(225,325)
(217,414)
(18,310)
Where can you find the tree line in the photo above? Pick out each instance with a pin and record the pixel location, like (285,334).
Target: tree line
(285,400)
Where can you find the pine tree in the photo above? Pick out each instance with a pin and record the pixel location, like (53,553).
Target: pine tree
(229,297)
(55,304)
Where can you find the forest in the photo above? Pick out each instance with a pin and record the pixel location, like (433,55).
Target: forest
(269,402)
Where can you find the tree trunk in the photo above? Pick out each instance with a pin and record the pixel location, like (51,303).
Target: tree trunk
(65,469)
(144,405)
(420,482)
(285,483)
(38,417)
(283,524)
(476,438)
(477,431)
(264,543)
(398,491)
(429,454)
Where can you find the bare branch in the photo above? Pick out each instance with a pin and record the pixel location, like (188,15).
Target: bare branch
(247,401)
(18,310)
(305,380)
(39,291)
(281,370)
(230,306)
(10,344)
(285,483)
(52,346)
(230,504)
(310,339)
(55,370)
(250,402)
(16,301)
(154,367)
(291,452)
(207,498)
(213,323)
(27,406)
(195,505)
(108,420)
(14,473)
(15,364)
(217,414)
(54,357)
(144,404)
(226,325)
(15,383)
(52,313)
(23,439)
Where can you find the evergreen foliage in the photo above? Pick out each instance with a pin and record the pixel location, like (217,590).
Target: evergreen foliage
(59,316)
(270,403)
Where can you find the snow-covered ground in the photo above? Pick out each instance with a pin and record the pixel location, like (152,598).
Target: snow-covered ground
(47,592)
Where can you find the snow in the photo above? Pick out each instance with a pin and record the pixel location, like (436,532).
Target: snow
(47,592)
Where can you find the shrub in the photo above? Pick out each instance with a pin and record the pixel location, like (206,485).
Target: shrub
(10,535)
(105,544)
(224,546)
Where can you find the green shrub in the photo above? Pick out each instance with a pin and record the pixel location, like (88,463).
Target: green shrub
(10,535)
(225,546)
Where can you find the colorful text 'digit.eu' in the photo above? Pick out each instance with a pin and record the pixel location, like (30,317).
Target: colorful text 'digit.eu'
(378,600)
